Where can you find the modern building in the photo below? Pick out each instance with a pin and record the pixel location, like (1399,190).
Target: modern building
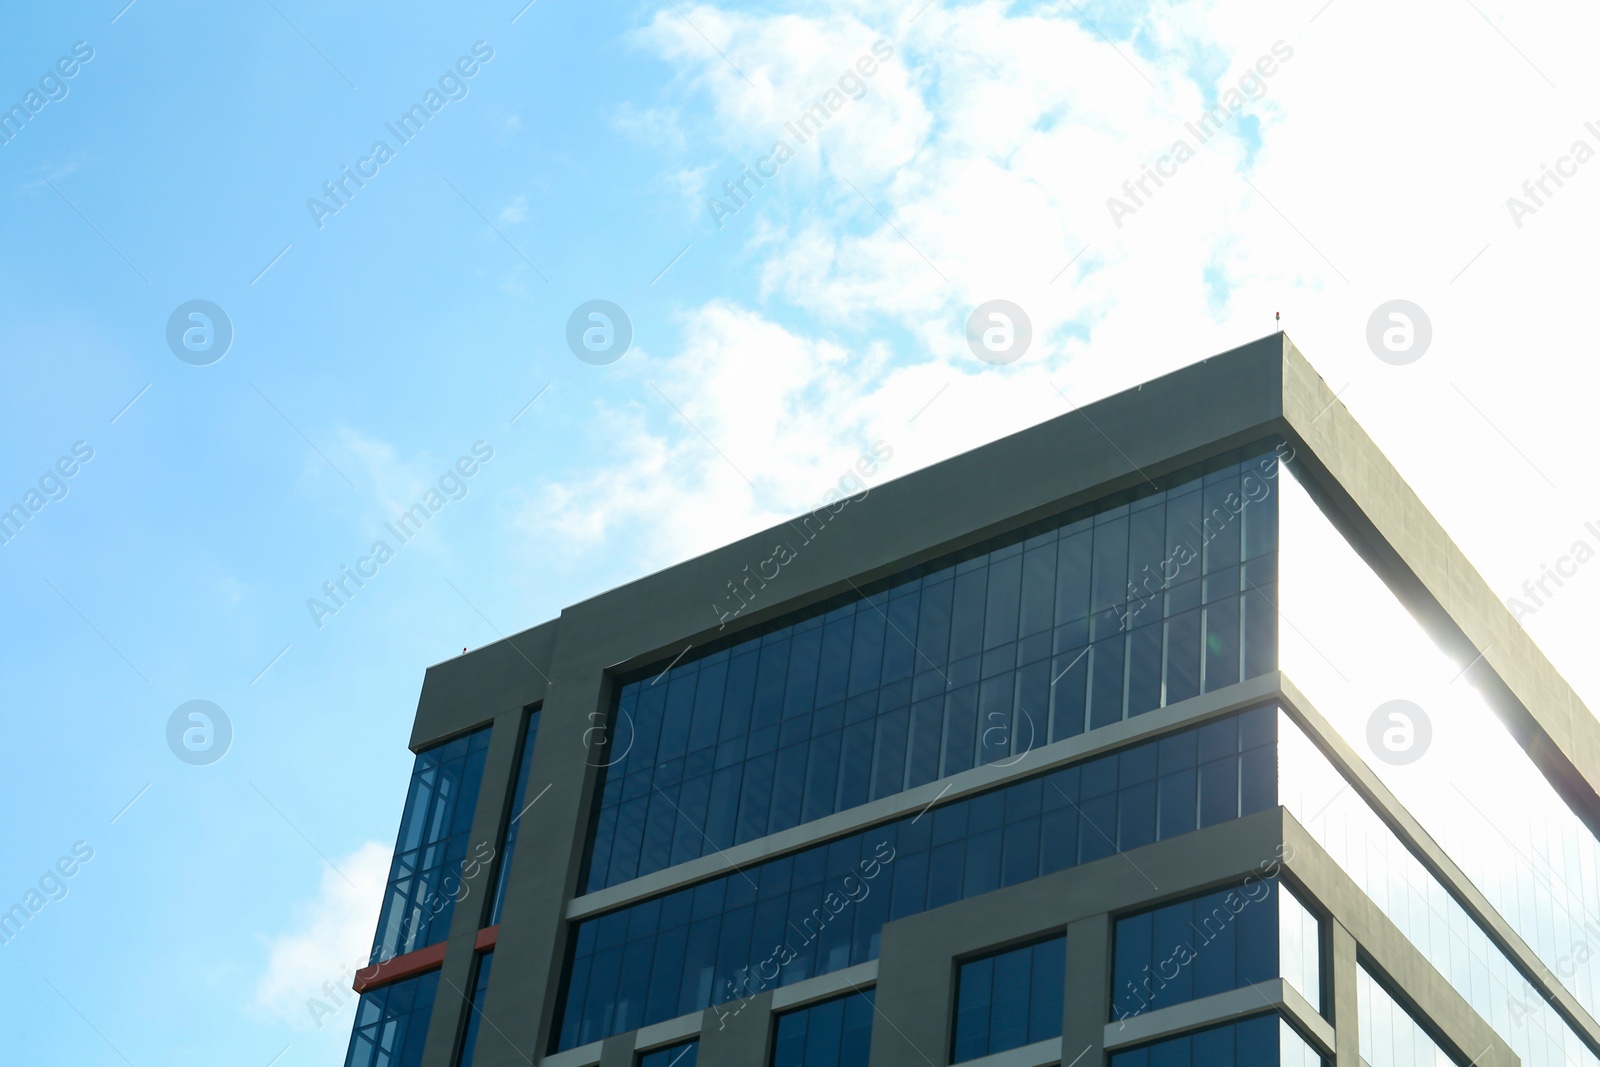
(1172,731)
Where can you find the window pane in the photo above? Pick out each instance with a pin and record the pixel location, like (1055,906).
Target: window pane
(480,989)
(1222,644)
(392,1023)
(1048,993)
(1211,944)
(1107,663)
(684,1055)
(431,850)
(974,1002)
(1260,1041)
(834,1033)
(1299,947)
(1009,999)
(1389,1035)
(514,819)
(1144,668)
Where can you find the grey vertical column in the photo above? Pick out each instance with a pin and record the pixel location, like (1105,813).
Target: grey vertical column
(1346,1017)
(1088,992)
(617,1051)
(524,992)
(737,1039)
(477,885)
(911,1018)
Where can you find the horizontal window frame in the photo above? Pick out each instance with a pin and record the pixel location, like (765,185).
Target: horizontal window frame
(1174,718)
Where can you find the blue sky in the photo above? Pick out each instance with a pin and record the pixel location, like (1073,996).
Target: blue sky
(828,312)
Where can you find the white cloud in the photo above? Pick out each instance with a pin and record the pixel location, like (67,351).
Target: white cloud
(747,398)
(395,483)
(784,419)
(1375,165)
(328,938)
(653,127)
(516,211)
(231,588)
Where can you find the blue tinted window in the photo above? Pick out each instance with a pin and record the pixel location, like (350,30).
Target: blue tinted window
(1214,943)
(1261,1041)
(431,850)
(480,989)
(519,806)
(1010,999)
(834,1033)
(823,909)
(1083,620)
(683,1055)
(392,1023)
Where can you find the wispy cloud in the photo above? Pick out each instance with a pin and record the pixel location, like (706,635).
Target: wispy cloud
(327,938)
(514,212)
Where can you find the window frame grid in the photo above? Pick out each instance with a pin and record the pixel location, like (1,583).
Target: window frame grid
(1053,1020)
(731,745)
(435,829)
(923,860)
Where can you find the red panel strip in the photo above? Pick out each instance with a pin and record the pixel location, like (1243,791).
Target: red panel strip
(392,970)
(415,963)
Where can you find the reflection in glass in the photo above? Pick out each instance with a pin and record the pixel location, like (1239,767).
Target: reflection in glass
(834,1033)
(1366,849)
(519,807)
(1390,1037)
(1009,999)
(1210,944)
(1350,646)
(1082,620)
(1260,1041)
(426,875)
(392,1023)
(823,909)
(684,1055)
(480,990)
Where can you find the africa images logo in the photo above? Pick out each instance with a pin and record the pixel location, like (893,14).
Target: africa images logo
(452,485)
(451,85)
(1251,86)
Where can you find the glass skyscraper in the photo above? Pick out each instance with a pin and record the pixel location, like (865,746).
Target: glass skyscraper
(1173,731)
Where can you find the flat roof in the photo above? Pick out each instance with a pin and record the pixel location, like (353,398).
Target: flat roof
(1261,389)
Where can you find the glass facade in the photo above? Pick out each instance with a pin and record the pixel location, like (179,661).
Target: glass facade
(1211,944)
(480,989)
(1010,999)
(1362,844)
(430,853)
(1471,785)
(962,848)
(684,1055)
(834,1033)
(392,1023)
(1106,612)
(1451,762)
(1260,1041)
(519,804)
(1390,1037)
(822,909)
(1300,947)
